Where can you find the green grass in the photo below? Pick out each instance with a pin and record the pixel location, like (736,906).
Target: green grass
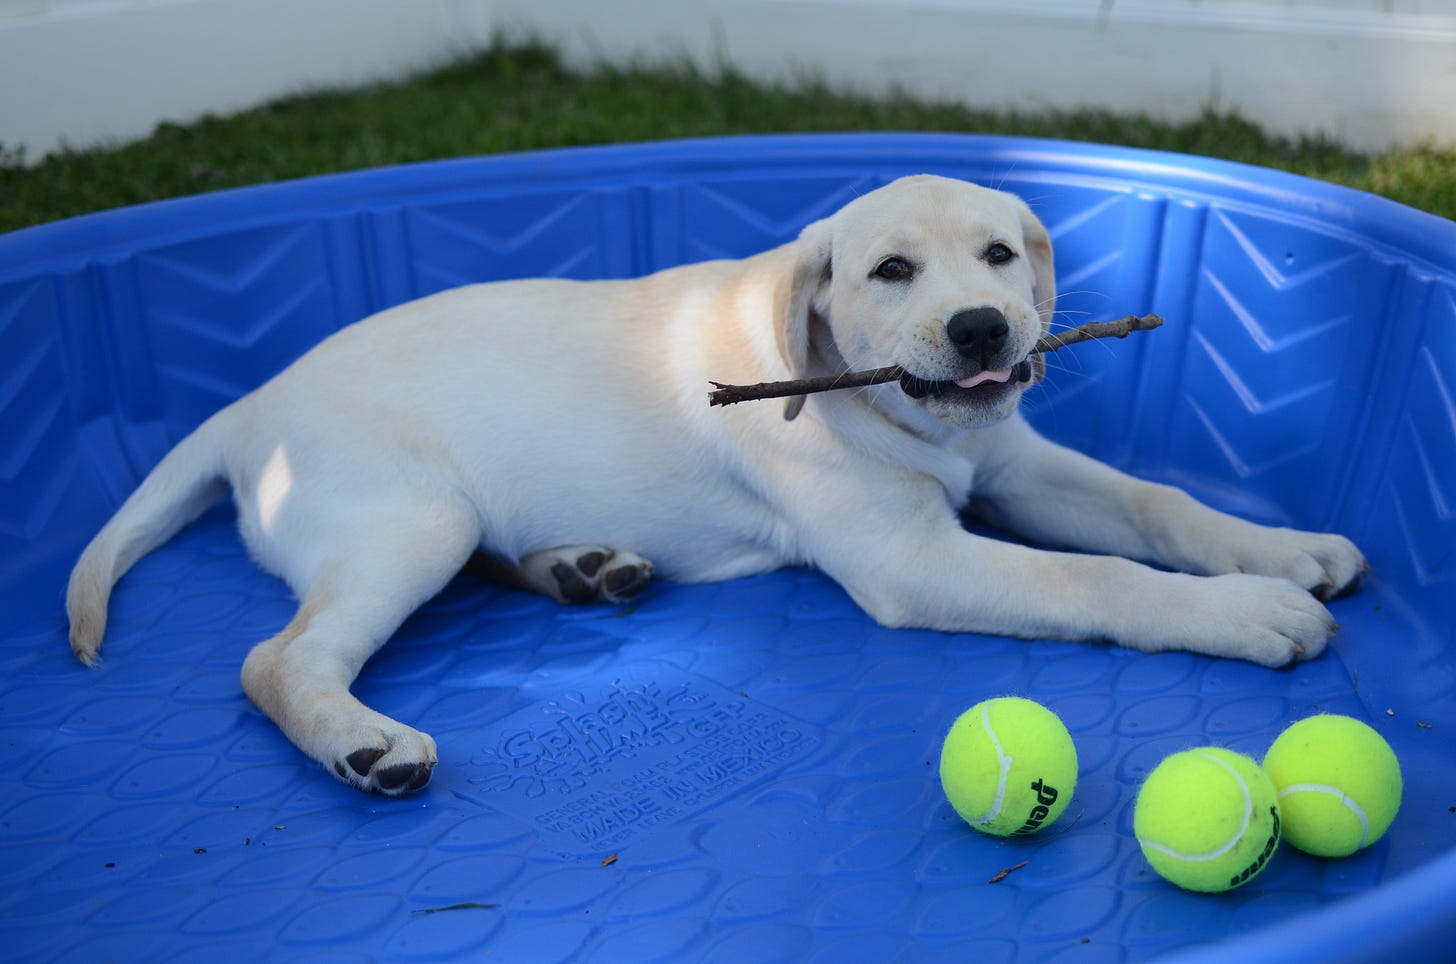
(519,97)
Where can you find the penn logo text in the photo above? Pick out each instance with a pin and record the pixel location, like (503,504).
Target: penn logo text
(1046,795)
(1264,854)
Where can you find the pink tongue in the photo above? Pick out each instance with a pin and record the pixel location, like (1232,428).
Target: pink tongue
(1000,375)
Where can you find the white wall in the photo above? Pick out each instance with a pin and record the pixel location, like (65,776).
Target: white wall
(1368,72)
(83,72)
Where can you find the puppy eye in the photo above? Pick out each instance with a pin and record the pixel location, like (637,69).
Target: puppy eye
(999,253)
(894,269)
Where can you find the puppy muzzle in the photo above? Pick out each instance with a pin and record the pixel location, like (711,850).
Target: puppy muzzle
(917,387)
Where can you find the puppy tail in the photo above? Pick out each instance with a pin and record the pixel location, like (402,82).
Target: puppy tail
(182,486)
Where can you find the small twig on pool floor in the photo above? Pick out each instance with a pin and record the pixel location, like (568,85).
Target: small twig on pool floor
(467,906)
(1002,875)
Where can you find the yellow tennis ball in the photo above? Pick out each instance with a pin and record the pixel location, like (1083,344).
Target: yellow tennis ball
(1207,819)
(1338,782)
(1008,766)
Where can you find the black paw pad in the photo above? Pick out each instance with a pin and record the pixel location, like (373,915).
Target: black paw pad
(626,582)
(361,760)
(573,586)
(404,777)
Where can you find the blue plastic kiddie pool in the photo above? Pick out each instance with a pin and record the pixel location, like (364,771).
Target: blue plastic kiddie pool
(742,771)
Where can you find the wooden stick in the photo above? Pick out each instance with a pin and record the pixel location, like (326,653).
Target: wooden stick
(732,394)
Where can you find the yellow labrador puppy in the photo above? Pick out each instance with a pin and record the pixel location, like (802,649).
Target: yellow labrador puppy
(562,429)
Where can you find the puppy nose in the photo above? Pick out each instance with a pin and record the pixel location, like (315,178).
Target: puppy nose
(978,332)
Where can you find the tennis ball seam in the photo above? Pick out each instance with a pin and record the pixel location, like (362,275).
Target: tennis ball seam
(1340,797)
(1233,840)
(1003,761)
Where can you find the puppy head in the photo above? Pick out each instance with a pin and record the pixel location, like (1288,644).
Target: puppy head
(950,281)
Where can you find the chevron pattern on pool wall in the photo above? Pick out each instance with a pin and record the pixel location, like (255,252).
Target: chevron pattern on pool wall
(743,216)
(34,422)
(1414,494)
(1258,408)
(214,318)
(515,235)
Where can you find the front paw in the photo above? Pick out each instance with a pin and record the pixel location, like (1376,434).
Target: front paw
(1269,621)
(1272,622)
(1324,564)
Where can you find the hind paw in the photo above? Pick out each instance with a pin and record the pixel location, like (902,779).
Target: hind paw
(586,574)
(392,763)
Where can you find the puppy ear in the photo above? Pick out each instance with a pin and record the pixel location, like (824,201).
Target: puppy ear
(1039,253)
(810,282)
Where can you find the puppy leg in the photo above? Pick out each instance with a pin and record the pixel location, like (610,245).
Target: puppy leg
(574,574)
(966,583)
(910,563)
(1056,496)
(362,592)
